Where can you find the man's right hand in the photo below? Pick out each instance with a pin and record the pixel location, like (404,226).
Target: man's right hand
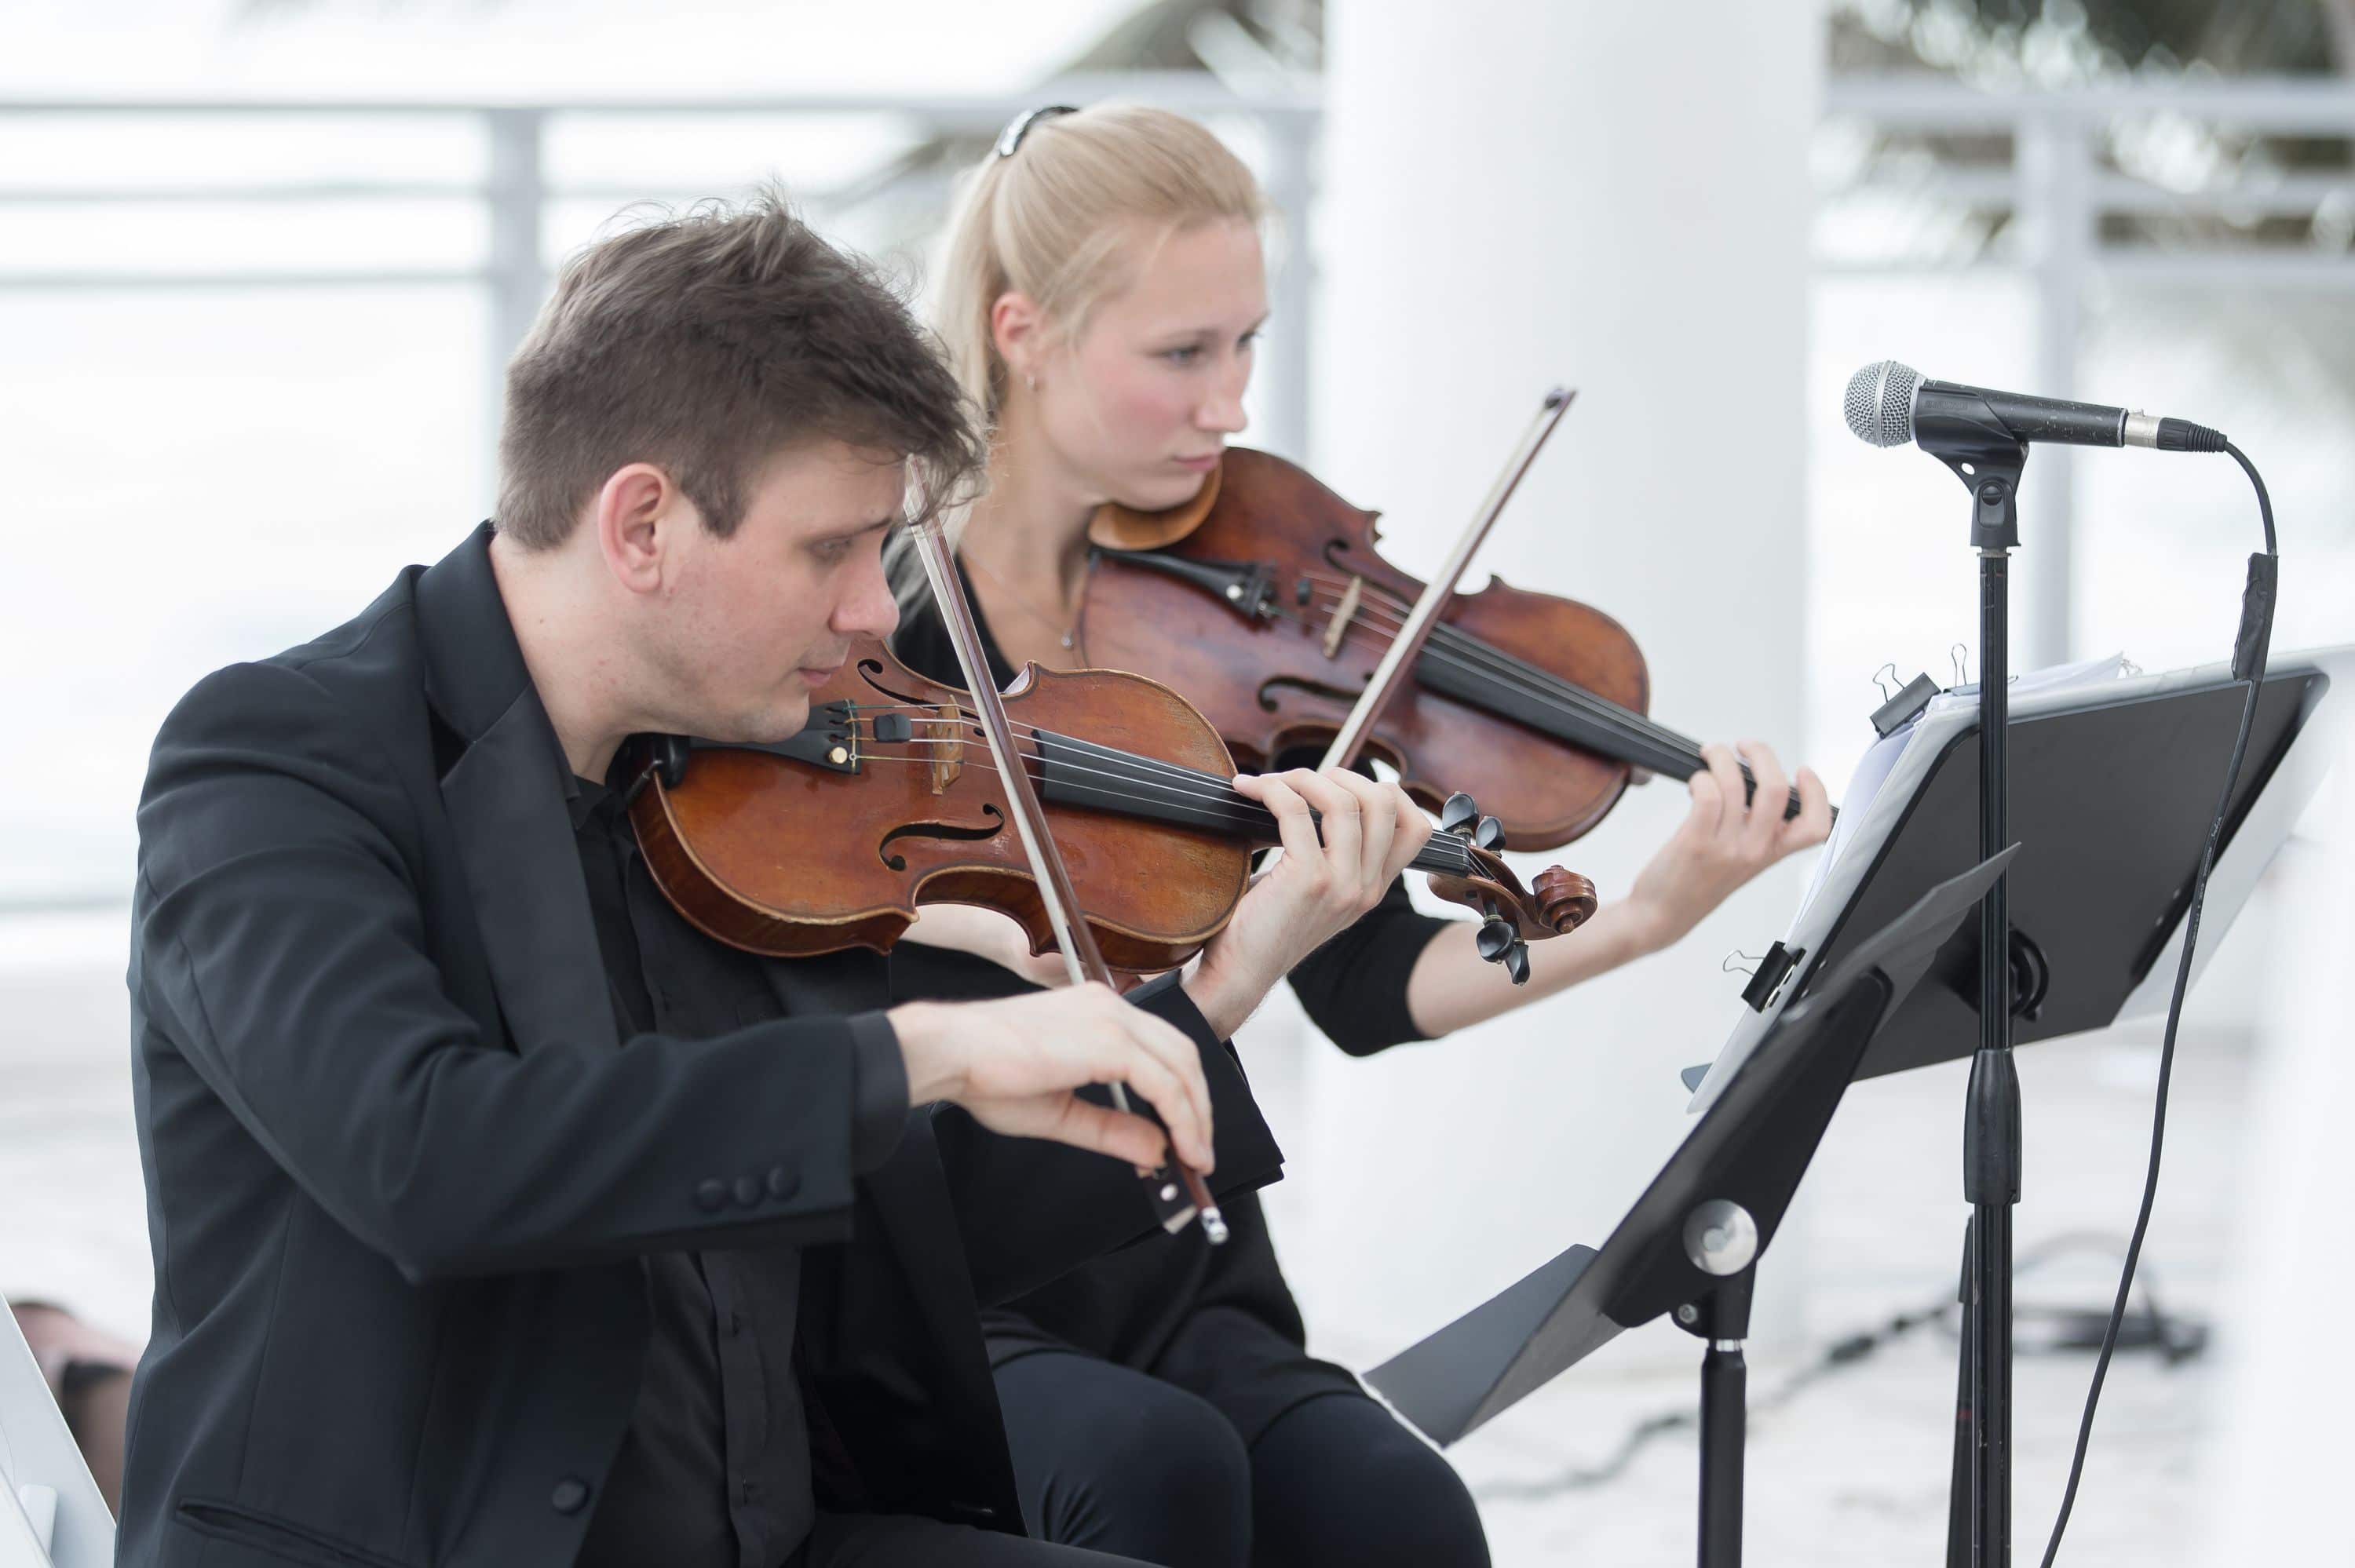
(1014,1064)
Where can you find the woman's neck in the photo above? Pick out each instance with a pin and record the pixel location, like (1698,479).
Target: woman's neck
(1031,523)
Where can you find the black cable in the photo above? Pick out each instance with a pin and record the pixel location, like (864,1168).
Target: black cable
(2250,646)
(2174,1339)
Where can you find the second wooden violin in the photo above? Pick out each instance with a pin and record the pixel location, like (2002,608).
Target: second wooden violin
(1266,603)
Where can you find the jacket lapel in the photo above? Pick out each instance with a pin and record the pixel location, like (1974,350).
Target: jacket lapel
(504,797)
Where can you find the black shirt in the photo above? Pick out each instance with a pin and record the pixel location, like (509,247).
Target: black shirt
(1219,1322)
(715,1471)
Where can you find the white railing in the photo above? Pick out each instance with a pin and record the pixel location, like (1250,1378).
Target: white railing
(517,191)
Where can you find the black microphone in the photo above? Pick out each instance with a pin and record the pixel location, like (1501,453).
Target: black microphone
(1888,404)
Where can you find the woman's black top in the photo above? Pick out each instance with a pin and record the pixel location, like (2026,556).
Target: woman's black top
(1217,1322)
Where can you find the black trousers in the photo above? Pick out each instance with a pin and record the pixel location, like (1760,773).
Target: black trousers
(1117,1460)
(853,1541)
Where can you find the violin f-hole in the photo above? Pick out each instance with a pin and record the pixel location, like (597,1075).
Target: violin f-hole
(938,830)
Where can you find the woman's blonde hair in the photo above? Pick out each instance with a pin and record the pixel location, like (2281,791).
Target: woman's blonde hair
(1051,220)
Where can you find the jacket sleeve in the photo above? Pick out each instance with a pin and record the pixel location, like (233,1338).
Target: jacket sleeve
(1030,1211)
(278,945)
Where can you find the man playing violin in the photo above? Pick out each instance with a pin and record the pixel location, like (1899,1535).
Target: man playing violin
(500,1216)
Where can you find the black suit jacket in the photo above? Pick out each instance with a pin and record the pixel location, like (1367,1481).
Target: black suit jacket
(401,1170)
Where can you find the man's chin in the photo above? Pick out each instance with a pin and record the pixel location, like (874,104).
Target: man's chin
(770,725)
(786,720)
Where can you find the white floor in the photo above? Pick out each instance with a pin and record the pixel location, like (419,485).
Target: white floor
(1853,1470)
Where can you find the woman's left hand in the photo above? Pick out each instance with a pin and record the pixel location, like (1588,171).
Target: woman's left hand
(1722,843)
(1324,881)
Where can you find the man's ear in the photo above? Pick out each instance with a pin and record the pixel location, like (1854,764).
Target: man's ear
(636,508)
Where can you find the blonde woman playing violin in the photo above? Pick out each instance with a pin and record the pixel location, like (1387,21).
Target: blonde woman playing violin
(1102,292)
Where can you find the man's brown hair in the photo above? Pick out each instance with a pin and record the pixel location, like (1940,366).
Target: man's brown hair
(706,343)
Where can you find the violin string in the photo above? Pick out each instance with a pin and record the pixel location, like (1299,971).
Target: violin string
(1451,645)
(1200,791)
(1226,814)
(1179,784)
(1452,848)
(1192,786)
(922,714)
(1471,652)
(1227,809)
(926,714)
(1454,648)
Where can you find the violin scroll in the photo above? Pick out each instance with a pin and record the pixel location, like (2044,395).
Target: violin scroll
(1512,915)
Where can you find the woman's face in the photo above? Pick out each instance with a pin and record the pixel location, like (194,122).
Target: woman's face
(1138,409)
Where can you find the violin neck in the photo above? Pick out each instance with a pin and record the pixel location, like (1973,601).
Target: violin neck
(1072,772)
(1456,664)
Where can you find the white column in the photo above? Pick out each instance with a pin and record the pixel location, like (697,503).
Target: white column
(1519,193)
(2268,1476)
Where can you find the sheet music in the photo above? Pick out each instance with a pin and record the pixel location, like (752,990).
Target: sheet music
(1882,759)
(1895,769)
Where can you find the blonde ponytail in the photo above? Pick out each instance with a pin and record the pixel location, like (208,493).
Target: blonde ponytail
(1049,220)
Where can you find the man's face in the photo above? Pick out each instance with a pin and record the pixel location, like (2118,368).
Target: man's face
(743,628)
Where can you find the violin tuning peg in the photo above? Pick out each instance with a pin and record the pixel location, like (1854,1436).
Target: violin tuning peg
(1459,813)
(1490,834)
(1496,940)
(1517,962)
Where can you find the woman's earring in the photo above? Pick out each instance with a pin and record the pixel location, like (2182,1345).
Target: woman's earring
(1031,382)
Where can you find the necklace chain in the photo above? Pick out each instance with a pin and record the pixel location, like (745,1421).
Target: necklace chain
(1069,633)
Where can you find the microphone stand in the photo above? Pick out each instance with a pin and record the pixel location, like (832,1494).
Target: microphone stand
(1967,436)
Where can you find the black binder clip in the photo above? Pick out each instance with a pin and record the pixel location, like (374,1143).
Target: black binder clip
(1901,709)
(1772,972)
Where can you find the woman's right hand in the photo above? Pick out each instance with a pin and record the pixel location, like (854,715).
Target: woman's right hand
(1015,1063)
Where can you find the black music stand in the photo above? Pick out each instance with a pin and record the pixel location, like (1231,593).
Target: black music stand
(1691,1244)
(2112,790)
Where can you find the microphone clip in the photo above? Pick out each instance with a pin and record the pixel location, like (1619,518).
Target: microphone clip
(1955,426)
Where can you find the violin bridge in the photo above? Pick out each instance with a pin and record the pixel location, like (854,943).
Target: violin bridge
(1343,613)
(948,751)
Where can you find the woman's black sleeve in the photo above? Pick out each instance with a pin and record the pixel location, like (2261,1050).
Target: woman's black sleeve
(1354,986)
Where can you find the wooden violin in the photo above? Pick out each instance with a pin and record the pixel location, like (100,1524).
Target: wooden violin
(1265,600)
(889,799)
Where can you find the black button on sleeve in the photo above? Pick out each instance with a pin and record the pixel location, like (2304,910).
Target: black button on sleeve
(748,1191)
(570,1493)
(710,1195)
(782,1184)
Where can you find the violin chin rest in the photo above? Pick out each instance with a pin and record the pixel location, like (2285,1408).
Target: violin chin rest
(1118,527)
